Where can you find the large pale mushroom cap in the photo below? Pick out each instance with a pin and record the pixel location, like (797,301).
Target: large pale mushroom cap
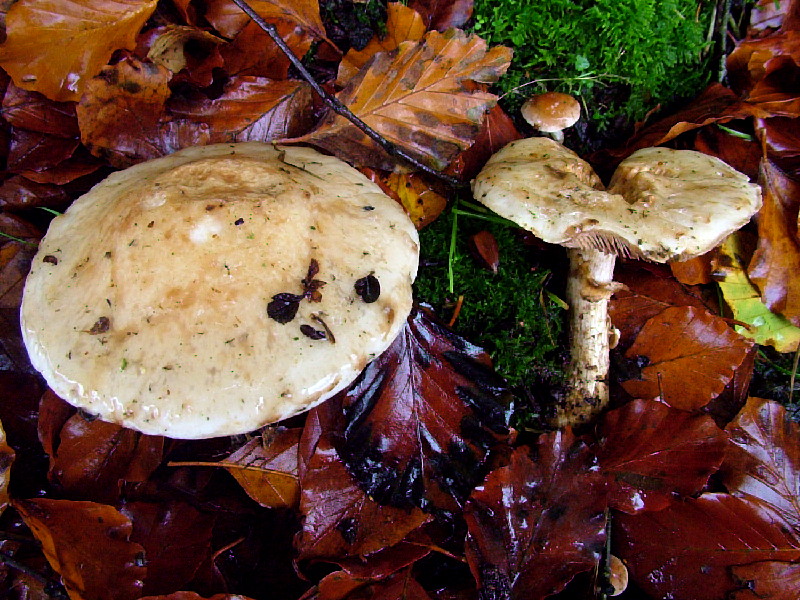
(147,300)
(661,205)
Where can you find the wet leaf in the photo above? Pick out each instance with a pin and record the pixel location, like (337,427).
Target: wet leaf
(171,47)
(485,249)
(424,98)
(229,19)
(6,460)
(195,596)
(56,46)
(650,452)
(253,53)
(402,24)
(536,523)
(267,468)
(691,356)
(420,200)
(74,534)
(763,326)
(34,112)
(422,417)
(444,14)
(763,459)
(768,580)
(686,551)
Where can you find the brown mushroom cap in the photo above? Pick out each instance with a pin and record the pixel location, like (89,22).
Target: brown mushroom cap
(147,302)
(551,112)
(661,205)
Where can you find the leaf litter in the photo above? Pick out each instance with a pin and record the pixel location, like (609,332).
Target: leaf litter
(411,483)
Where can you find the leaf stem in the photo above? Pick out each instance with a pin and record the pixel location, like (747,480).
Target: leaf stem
(337,106)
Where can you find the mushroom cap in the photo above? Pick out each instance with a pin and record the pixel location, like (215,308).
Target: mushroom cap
(147,300)
(551,112)
(661,205)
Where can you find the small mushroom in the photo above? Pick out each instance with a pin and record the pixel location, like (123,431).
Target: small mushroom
(551,113)
(223,277)
(661,205)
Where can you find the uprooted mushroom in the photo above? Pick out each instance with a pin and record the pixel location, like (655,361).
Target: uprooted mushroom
(218,289)
(661,205)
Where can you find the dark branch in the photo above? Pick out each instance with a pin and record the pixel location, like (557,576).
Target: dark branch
(335,105)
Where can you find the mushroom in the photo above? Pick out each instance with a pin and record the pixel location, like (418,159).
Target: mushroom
(551,113)
(661,205)
(218,289)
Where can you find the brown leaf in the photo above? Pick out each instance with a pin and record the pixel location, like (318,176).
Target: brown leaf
(34,112)
(422,418)
(253,53)
(744,155)
(685,551)
(6,460)
(768,580)
(763,459)
(691,354)
(55,46)
(187,50)
(123,118)
(89,545)
(195,596)
(34,151)
(93,457)
(176,539)
(536,523)
(228,19)
(695,271)
(649,452)
(250,109)
(444,14)
(402,24)
(485,250)
(18,192)
(420,200)
(776,261)
(267,468)
(424,98)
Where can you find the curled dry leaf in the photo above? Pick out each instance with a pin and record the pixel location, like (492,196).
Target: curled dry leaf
(649,452)
(536,523)
(423,98)
(56,46)
(89,545)
(691,356)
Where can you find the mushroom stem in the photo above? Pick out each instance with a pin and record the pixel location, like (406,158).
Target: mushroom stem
(589,287)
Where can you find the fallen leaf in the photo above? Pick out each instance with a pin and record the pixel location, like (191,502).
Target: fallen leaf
(123,118)
(195,596)
(444,14)
(691,356)
(229,19)
(422,418)
(252,52)
(74,534)
(763,459)
(768,580)
(181,48)
(18,192)
(267,468)
(695,271)
(649,452)
(34,112)
(36,152)
(686,551)
(536,523)
(249,109)
(422,203)
(423,98)
(402,24)
(484,248)
(56,46)
(6,460)
(763,326)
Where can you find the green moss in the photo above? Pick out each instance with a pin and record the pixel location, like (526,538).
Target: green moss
(649,52)
(510,314)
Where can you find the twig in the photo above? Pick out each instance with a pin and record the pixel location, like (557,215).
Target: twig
(337,106)
(51,588)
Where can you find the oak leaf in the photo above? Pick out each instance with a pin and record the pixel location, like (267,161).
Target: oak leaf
(89,545)
(650,451)
(537,522)
(691,356)
(425,98)
(56,46)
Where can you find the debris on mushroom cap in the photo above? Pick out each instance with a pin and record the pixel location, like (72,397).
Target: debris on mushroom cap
(551,112)
(155,314)
(661,205)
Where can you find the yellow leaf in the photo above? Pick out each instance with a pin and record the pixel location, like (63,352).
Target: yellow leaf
(764,327)
(422,203)
(56,46)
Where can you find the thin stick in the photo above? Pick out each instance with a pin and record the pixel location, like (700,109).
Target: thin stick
(337,106)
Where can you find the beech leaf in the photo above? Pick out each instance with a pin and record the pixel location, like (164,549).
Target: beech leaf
(763,326)
(74,534)
(6,460)
(56,46)
(685,551)
(692,355)
(767,580)
(422,417)
(536,523)
(763,459)
(422,203)
(423,98)
(650,451)
(229,19)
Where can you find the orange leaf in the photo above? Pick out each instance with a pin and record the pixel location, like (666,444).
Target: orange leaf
(229,19)
(776,261)
(56,46)
(692,356)
(254,53)
(89,545)
(424,98)
(402,24)
(421,202)
(6,458)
